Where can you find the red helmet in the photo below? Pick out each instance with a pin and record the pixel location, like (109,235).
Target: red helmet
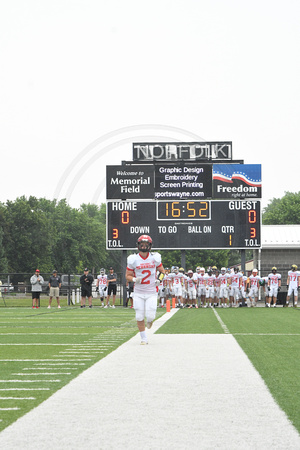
(144,238)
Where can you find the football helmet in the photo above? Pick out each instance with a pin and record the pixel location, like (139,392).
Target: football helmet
(294,267)
(144,243)
(223,270)
(198,269)
(175,269)
(236,269)
(190,273)
(274,269)
(181,270)
(254,271)
(102,271)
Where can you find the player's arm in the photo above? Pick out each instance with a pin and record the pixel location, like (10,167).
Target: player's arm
(129,275)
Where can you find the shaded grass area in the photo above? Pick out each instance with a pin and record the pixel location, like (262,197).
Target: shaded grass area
(43,350)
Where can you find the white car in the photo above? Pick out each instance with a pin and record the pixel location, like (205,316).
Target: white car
(7,287)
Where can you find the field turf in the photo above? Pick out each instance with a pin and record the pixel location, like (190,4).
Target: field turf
(43,350)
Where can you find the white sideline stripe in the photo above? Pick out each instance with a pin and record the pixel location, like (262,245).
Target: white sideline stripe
(61,364)
(44,334)
(30,381)
(38,374)
(226,331)
(67,361)
(25,389)
(49,345)
(17,398)
(49,368)
(266,334)
(10,409)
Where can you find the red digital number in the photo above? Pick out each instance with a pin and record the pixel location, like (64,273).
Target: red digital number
(115,233)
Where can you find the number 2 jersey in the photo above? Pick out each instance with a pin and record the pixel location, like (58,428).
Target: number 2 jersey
(144,268)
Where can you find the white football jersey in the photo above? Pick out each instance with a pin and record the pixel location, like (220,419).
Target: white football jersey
(102,280)
(144,268)
(293,278)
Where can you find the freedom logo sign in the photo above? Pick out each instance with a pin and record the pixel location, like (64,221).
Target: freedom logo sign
(238,181)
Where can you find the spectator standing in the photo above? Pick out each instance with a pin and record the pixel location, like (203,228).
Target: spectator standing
(54,286)
(141,269)
(111,287)
(36,288)
(86,281)
(129,289)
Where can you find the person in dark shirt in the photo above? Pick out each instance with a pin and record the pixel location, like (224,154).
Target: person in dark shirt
(111,287)
(54,286)
(86,281)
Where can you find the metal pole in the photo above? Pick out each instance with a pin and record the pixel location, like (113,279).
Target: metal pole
(123,279)
(183,260)
(243,260)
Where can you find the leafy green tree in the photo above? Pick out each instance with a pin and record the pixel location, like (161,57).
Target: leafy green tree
(3,259)
(196,258)
(284,211)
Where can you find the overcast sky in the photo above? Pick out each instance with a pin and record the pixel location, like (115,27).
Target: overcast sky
(82,79)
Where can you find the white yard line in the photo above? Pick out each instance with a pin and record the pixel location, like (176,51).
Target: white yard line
(178,392)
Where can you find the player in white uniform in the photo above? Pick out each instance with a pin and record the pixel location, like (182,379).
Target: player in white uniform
(141,269)
(274,285)
(210,287)
(293,283)
(191,284)
(217,284)
(101,285)
(244,283)
(201,289)
(254,287)
(184,291)
(176,285)
(223,294)
(264,284)
(234,286)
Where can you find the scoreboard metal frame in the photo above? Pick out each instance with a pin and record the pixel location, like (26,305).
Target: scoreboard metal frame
(184,224)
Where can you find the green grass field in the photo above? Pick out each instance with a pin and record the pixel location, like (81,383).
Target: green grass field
(43,350)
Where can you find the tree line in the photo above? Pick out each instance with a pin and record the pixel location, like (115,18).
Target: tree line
(50,234)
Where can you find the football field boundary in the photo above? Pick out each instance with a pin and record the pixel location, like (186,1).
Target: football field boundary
(180,391)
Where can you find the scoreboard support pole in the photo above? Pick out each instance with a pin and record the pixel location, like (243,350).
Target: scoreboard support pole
(123,268)
(183,259)
(243,260)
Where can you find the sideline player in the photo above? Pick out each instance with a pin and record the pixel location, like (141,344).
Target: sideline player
(190,285)
(293,284)
(274,285)
(101,285)
(234,287)
(141,269)
(223,295)
(176,280)
(201,290)
(254,287)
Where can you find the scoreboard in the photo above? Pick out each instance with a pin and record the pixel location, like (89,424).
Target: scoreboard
(184,205)
(184,224)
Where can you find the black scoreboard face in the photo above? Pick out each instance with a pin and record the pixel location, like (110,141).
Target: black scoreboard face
(184,224)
